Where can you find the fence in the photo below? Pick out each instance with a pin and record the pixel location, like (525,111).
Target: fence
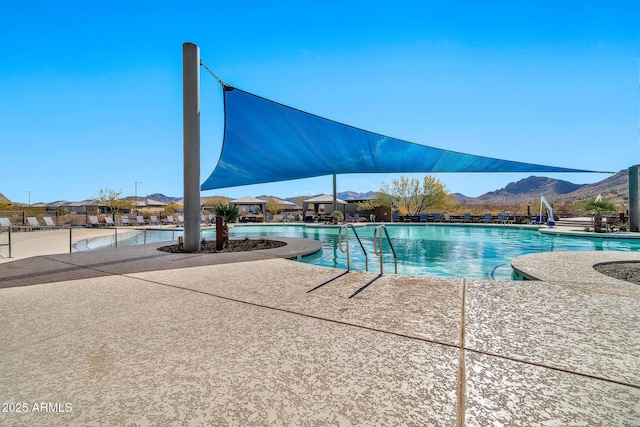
(76,239)
(76,219)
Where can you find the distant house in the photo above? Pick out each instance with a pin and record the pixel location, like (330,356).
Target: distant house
(146,204)
(4,200)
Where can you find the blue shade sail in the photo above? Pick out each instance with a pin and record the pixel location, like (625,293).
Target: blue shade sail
(267,142)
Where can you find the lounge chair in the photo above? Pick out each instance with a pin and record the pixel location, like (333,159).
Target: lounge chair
(437,217)
(356,217)
(153,220)
(6,223)
(33,222)
(423,217)
(466,217)
(108,221)
(140,220)
(125,220)
(500,219)
(395,217)
(180,220)
(48,222)
(93,221)
(447,217)
(487,218)
(170,220)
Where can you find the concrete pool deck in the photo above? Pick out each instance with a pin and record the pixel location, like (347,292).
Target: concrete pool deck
(137,336)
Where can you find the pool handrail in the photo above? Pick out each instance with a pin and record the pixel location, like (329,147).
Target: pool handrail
(379,252)
(346,228)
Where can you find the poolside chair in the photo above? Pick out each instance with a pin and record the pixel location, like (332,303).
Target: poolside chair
(125,220)
(487,218)
(180,220)
(356,217)
(395,217)
(437,217)
(93,221)
(500,219)
(447,218)
(153,220)
(170,220)
(108,221)
(423,217)
(33,223)
(140,220)
(48,222)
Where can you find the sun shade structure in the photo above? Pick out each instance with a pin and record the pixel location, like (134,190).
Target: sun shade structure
(265,141)
(322,199)
(250,201)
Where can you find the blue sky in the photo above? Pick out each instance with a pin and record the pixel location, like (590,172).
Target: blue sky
(90,92)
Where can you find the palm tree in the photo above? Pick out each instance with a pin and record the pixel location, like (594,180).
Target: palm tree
(599,207)
(229,214)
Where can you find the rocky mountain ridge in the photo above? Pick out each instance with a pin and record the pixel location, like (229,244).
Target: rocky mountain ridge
(614,188)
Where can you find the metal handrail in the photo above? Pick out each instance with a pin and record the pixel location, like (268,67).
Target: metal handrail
(346,228)
(8,240)
(378,252)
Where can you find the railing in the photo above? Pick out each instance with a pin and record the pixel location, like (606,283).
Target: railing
(8,233)
(346,228)
(105,237)
(129,234)
(377,247)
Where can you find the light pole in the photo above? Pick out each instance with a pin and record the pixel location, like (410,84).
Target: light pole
(136,196)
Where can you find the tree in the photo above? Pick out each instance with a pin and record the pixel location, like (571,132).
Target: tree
(599,207)
(172,208)
(411,197)
(111,200)
(229,214)
(216,201)
(273,206)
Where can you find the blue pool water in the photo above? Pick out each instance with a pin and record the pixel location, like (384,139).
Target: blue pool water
(473,252)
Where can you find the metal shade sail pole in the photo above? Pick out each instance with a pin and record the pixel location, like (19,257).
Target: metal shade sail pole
(191,126)
(634,208)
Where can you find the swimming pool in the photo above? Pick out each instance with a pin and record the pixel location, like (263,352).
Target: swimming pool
(474,252)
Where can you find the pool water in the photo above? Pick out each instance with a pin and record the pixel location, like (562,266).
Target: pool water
(474,252)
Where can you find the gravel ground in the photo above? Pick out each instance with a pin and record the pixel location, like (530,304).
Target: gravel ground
(629,271)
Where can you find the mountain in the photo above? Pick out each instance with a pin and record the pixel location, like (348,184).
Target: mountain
(162,198)
(529,188)
(352,195)
(614,188)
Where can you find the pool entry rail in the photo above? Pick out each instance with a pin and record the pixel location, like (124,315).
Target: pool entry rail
(346,250)
(377,246)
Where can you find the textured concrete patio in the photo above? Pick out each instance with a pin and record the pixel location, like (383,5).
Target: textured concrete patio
(134,336)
